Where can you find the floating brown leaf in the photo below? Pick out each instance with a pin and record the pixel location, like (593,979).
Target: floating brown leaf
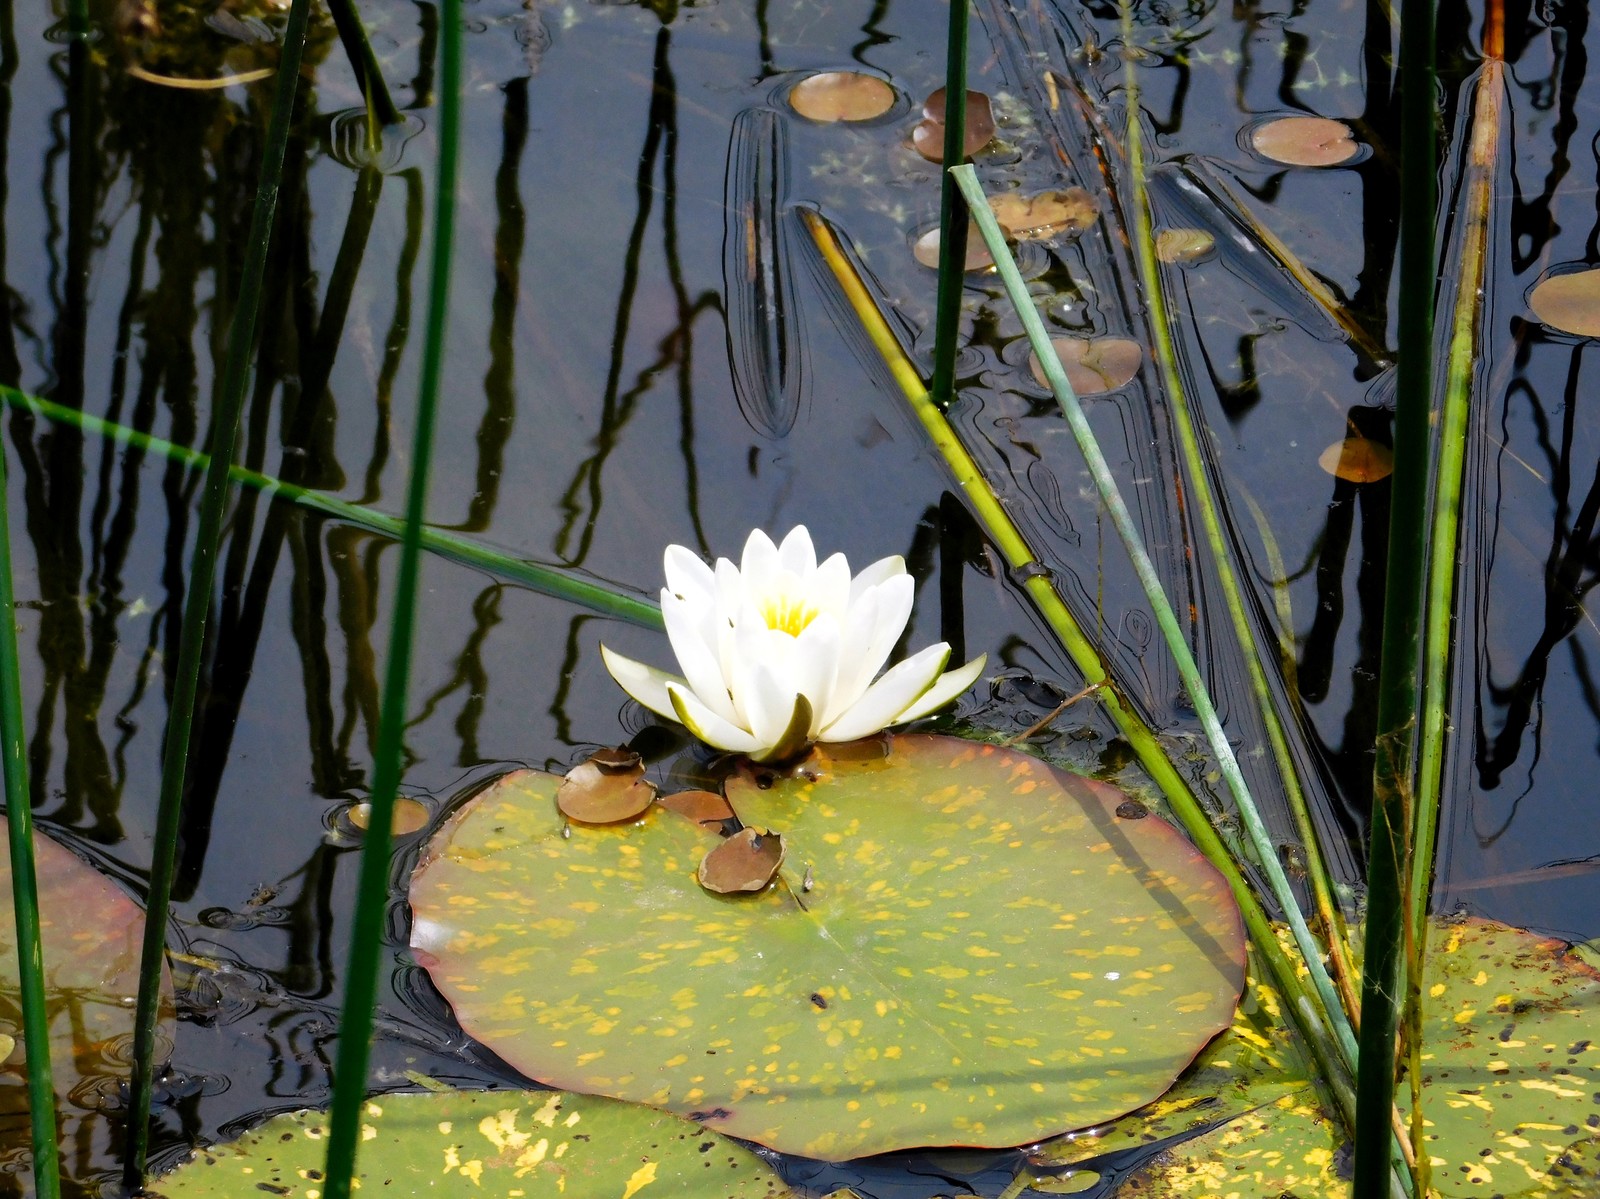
(1569,302)
(1093,364)
(928,136)
(926,250)
(1045,214)
(841,96)
(605,789)
(1358,460)
(745,862)
(1305,141)
(1184,245)
(409,816)
(702,807)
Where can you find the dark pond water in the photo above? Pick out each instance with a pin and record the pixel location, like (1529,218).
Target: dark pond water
(591,416)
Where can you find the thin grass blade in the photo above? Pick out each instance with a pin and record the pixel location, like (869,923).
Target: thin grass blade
(952,211)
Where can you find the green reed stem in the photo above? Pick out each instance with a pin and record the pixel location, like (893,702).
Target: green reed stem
(1393,766)
(25,880)
(953,216)
(197,600)
(369,75)
(608,599)
(367,945)
(1020,558)
(1160,607)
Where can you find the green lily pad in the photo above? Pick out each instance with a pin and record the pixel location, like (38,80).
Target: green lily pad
(91,932)
(987,954)
(515,1144)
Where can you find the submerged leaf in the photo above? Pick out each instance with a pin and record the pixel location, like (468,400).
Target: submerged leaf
(1182,246)
(926,250)
(987,954)
(841,96)
(496,1144)
(1305,141)
(1093,364)
(1045,214)
(744,862)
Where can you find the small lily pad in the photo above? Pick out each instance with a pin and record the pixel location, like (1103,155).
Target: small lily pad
(410,816)
(926,250)
(497,1144)
(841,96)
(1357,460)
(91,932)
(744,862)
(1569,301)
(928,136)
(1183,246)
(1305,141)
(609,787)
(1044,214)
(1093,364)
(988,955)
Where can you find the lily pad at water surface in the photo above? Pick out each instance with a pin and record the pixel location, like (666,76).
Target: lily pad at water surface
(1511,1088)
(987,954)
(91,933)
(510,1144)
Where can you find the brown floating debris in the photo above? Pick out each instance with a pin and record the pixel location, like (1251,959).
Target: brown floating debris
(702,807)
(1180,246)
(1358,460)
(841,96)
(1093,364)
(606,788)
(744,862)
(1305,141)
(1569,301)
(1045,214)
(928,136)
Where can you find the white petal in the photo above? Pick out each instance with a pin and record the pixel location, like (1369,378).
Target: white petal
(814,663)
(730,589)
(872,628)
(948,686)
(891,695)
(758,564)
(645,683)
(687,575)
(769,702)
(871,576)
(828,590)
(691,627)
(797,553)
(707,725)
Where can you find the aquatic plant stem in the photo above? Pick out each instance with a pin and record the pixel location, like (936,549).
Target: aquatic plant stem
(1160,607)
(367,945)
(608,599)
(197,598)
(1001,530)
(953,216)
(25,880)
(1393,765)
(363,62)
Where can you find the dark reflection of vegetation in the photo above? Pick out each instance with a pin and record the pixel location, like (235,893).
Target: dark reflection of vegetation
(661,137)
(1567,25)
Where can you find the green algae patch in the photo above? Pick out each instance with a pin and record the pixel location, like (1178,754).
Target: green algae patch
(495,1144)
(964,947)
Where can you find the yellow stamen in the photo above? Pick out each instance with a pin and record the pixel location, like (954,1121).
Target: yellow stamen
(787,614)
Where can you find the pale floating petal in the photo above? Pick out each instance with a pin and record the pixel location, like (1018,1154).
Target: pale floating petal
(691,628)
(871,576)
(687,575)
(707,725)
(829,588)
(948,686)
(645,683)
(797,553)
(891,695)
(814,664)
(875,623)
(759,564)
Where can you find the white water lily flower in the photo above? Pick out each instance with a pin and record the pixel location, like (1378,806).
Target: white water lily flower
(779,652)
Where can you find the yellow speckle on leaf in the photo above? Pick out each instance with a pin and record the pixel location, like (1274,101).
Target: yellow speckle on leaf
(642,1177)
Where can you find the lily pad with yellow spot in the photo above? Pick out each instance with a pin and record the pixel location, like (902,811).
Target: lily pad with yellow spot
(91,932)
(987,954)
(494,1144)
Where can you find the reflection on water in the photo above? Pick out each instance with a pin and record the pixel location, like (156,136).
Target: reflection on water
(644,349)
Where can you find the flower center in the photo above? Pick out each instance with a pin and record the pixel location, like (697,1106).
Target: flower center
(787,614)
